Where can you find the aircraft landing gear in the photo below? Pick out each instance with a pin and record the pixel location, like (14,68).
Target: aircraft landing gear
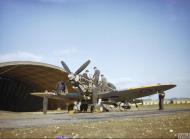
(96,108)
(136,105)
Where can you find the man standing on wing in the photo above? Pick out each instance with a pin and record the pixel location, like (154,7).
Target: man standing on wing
(103,83)
(96,76)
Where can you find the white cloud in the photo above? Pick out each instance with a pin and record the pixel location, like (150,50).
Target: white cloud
(20,56)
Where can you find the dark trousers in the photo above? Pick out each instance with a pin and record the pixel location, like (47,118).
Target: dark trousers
(161,101)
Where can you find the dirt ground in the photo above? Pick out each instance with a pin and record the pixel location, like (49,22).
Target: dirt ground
(162,126)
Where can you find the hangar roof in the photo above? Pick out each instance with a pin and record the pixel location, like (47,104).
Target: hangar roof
(40,76)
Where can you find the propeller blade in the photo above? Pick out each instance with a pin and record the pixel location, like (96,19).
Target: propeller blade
(65,67)
(82,67)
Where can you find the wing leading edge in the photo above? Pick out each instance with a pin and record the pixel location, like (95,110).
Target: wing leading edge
(138,92)
(52,95)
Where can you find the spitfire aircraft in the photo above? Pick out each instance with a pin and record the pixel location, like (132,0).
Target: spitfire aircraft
(86,95)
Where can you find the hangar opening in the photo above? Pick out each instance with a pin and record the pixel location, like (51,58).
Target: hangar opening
(18,79)
(15,96)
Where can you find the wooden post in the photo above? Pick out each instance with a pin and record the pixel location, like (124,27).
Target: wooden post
(45,103)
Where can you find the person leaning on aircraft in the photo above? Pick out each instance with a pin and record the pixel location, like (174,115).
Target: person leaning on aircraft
(96,76)
(60,87)
(85,76)
(103,83)
(161,101)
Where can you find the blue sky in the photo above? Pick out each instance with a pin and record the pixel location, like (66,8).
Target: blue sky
(132,42)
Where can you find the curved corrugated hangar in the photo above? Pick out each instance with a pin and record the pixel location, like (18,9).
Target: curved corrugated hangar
(18,79)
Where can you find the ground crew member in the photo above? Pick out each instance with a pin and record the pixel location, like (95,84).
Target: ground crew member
(103,83)
(60,88)
(161,101)
(96,76)
(85,75)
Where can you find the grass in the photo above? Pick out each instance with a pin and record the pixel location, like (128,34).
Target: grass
(149,127)
(165,126)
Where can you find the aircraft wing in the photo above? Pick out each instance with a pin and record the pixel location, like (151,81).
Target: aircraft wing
(65,97)
(133,93)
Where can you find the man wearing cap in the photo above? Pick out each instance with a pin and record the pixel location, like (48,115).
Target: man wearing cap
(60,88)
(161,101)
(103,83)
(96,76)
(85,76)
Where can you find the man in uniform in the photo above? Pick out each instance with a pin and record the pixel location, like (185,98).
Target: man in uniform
(161,101)
(60,88)
(96,76)
(103,83)
(85,76)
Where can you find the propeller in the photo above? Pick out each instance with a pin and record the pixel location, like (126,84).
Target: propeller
(78,71)
(65,67)
(72,76)
(82,67)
